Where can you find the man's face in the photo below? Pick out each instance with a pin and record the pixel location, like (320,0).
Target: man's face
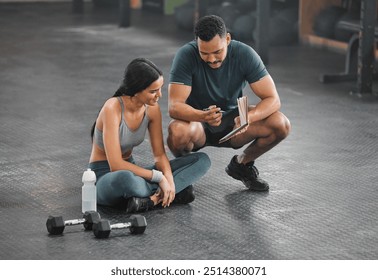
(214,51)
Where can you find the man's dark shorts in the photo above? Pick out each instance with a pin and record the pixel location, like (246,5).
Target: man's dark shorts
(214,133)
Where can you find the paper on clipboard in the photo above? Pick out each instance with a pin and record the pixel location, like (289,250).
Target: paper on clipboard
(243,114)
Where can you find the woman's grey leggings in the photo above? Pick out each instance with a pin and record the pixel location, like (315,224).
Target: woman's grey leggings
(114,187)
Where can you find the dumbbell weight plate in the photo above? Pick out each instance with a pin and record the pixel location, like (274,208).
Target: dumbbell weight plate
(55,225)
(91,217)
(101,229)
(139,224)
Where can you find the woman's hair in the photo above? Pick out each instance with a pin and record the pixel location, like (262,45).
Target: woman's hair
(208,27)
(139,75)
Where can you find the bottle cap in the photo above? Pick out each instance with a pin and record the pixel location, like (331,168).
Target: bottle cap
(89,176)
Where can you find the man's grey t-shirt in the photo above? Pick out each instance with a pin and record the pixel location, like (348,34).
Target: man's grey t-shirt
(221,86)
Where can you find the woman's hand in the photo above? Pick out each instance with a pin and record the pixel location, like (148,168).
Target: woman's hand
(167,192)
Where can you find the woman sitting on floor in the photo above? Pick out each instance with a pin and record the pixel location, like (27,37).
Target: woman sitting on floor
(120,126)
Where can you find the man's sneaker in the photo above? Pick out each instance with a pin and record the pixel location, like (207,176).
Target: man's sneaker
(185,196)
(248,174)
(139,204)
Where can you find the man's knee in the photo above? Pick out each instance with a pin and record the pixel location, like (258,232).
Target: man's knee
(178,133)
(178,138)
(281,125)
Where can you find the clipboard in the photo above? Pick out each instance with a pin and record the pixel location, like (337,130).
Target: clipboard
(243,114)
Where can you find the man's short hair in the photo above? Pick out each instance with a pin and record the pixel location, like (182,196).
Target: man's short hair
(208,27)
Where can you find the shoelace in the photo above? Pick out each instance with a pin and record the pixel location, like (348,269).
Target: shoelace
(254,171)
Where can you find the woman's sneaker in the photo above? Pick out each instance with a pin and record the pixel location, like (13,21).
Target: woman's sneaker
(185,196)
(248,174)
(139,204)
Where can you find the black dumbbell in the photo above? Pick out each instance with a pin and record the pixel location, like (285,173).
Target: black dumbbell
(136,224)
(56,225)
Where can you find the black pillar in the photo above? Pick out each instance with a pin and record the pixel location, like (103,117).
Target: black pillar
(366,48)
(200,10)
(262,29)
(78,6)
(124,13)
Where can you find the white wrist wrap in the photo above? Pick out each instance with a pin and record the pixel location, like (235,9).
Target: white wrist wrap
(157,176)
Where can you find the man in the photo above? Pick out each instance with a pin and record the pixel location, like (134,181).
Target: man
(207,76)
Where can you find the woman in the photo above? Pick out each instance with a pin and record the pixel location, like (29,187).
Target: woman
(121,125)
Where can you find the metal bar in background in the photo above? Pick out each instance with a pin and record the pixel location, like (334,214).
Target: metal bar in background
(77,6)
(262,29)
(200,9)
(366,48)
(124,13)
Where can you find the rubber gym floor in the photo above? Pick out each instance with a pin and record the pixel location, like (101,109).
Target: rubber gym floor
(58,68)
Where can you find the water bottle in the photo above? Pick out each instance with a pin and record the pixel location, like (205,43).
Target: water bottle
(88,191)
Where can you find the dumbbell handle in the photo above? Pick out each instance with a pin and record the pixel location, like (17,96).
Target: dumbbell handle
(120,225)
(74,222)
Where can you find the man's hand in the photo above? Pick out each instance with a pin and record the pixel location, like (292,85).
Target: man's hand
(213,115)
(237,124)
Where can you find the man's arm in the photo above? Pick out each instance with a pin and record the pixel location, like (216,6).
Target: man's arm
(179,110)
(270,102)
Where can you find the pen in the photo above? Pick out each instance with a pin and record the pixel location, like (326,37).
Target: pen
(207,109)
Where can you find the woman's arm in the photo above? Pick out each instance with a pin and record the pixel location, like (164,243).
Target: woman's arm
(158,150)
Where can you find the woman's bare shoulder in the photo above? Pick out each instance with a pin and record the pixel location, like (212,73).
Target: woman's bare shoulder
(153,111)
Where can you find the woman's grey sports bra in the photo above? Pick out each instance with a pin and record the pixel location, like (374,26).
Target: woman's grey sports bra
(127,137)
